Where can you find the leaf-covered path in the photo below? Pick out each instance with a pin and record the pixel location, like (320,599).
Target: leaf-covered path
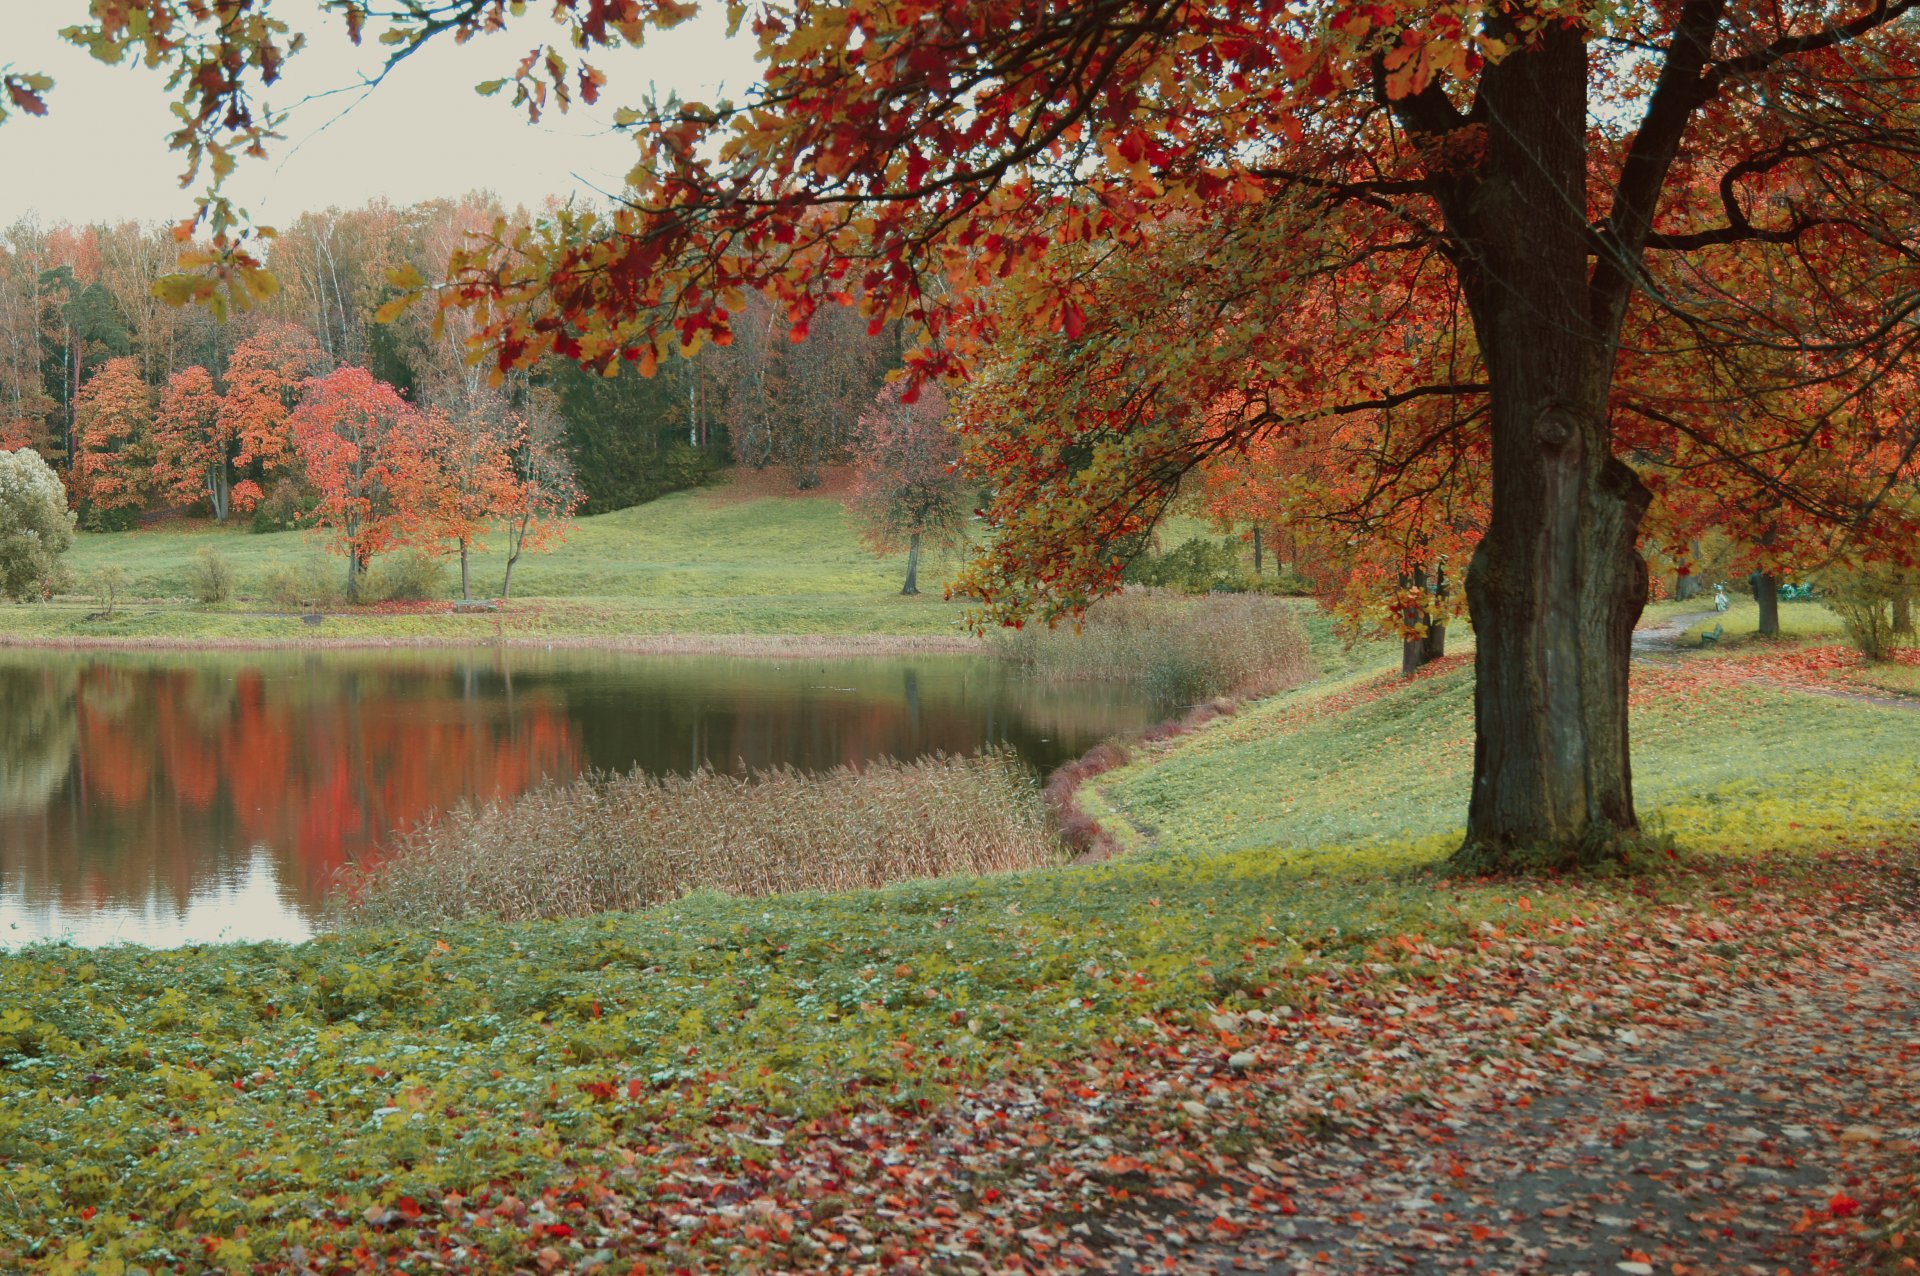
(1762,1129)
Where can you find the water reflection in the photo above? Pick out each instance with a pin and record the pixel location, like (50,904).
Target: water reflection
(173,799)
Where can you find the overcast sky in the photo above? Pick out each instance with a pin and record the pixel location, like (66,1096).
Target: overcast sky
(100,153)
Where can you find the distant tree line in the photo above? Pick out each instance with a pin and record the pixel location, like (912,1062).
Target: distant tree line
(76,299)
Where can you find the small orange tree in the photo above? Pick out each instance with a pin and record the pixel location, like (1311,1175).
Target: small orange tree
(360,443)
(541,493)
(113,419)
(193,450)
(266,377)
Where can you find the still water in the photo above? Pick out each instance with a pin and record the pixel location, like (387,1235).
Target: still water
(164,799)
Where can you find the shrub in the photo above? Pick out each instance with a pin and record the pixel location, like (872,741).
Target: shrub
(409,577)
(119,518)
(1182,650)
(607,843)
(1866,599)
(311,582)
(1194,566)
(109,583)
(286,503)
(36,527)
(209,577)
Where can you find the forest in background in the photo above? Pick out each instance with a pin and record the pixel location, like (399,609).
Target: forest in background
(75,298)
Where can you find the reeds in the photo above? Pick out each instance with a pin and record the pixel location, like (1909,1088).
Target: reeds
(1183,650)
(606,843)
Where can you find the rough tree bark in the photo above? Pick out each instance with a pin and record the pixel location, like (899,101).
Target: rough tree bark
(1556,584)
(1903,613)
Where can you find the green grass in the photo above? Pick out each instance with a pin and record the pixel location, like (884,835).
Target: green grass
(1726,767)
(1741,623)
(690,563)
(324,1082)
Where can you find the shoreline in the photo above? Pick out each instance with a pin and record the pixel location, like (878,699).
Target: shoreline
(746,646)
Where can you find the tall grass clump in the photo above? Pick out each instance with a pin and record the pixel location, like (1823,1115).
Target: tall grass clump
(1182,650)
(606,843)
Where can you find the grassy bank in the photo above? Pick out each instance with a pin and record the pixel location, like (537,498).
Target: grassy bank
(692,563)
(1371,761)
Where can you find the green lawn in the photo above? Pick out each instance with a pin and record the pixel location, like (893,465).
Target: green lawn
(1740,623)
(1717,765)
(691,563)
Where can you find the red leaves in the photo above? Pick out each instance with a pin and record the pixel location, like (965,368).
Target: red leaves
(24,97)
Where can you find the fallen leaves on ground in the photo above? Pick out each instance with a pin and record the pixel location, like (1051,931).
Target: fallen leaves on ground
(1711,1070)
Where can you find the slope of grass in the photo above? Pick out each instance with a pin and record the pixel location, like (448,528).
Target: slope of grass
(693,562)
(1380,763)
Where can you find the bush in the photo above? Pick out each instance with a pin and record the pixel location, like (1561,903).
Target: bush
(607,843)
(121,518)
(410,578)
(1182,650)
(312,582)
(1865,599)
(1194,566)
(109,582)
(209,577)
(284,506)
(36,527)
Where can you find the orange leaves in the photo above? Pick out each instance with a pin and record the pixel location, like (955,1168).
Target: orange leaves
(113,417)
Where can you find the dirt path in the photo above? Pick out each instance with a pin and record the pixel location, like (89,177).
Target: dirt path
(1745,1141)
(1664,638)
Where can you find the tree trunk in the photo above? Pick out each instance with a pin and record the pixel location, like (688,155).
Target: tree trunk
(1766,592)
(1556,584)
(1436,645)
(1256,549)
(913,566)
(506,583)
(466,588)
(1903,614)
(1413,645)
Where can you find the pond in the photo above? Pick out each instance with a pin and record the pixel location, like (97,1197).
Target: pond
(171,799)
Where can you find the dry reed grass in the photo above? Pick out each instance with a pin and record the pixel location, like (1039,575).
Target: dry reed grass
(607,843)
(1181,649)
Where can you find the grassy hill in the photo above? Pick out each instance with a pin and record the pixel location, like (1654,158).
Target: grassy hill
(710,562)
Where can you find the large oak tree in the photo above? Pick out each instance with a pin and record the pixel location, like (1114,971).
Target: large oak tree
(1544,234)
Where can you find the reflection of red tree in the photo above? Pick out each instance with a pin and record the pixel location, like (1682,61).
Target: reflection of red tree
(190,771)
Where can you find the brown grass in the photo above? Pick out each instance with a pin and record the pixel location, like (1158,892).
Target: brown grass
(609,843)
(1184,650)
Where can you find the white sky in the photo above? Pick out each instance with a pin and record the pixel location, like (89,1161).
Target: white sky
(100,153)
